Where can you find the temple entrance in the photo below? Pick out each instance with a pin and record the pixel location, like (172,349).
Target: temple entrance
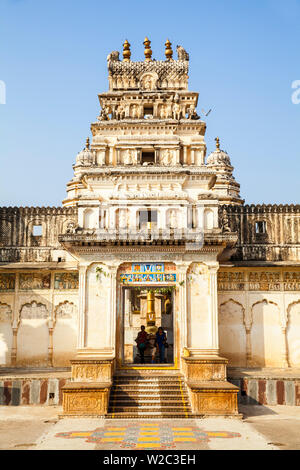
(151,307)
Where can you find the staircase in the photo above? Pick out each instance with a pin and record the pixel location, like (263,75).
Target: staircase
(149,397)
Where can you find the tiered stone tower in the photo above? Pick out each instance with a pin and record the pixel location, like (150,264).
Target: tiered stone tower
(145,194)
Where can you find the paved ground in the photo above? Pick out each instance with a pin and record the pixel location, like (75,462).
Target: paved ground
(37,427)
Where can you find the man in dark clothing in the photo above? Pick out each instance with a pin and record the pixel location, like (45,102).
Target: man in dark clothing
(141,341)
(161,341)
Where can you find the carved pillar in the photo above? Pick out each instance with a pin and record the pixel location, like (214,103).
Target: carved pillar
(110,156)
(285,354)
(82,301)
(14,346)
(15,323)
(111,326)
(182,286)
(213,270)
(50,345)
(184,155)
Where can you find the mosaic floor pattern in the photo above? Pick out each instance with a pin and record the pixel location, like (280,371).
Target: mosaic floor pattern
(148,436)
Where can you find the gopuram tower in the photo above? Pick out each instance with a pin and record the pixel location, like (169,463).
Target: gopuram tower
(151,230)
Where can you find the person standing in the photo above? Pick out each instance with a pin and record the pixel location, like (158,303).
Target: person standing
(141,341)
(161,340)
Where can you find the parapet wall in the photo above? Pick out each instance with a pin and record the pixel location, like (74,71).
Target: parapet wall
(265,232)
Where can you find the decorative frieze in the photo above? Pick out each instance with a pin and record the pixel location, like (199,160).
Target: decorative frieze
(259,280)
(66,281)
(7,282)
(33,281)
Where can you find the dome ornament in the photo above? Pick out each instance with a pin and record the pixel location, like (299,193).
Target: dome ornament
(126,51)
(147,51)
(168,51)
(217,143)
(87,146)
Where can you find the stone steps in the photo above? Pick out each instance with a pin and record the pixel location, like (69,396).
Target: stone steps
(149,397)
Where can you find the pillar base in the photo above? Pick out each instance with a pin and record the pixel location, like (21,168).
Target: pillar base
(214,399)
(87,394)
(209,391)
(85,399)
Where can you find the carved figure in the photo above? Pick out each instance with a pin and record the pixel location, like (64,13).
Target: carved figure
(225,222)
(192,114)
(181,53)
(104,114)
(114,55)
(167,157)
(177,111)
(120,112)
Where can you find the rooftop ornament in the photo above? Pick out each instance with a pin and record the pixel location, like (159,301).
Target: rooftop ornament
(126,51)
(168,51)
(147,51)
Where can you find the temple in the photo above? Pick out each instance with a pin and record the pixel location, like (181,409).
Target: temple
(153,232)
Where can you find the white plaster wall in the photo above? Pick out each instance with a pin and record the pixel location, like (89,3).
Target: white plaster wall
(65,333)
(198,318)
(293,334)
(97,309)
(232,334)
(266,336)
(32,342)
(6,334)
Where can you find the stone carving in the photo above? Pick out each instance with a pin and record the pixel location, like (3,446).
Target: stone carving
(167,157)
(123,218)
(134,111)
(165,111)
(104,113)
(173,222)
(231,280)
(73,228)
(148,82)
(291,281)
(113,56)
(33,311)
(7,282)
(192,114)
(177,111)
(181,53)
(120,112)
(66,281)
(225,222)
(130,157)
(264,281)
(65,310)
(32,281)
(5,313)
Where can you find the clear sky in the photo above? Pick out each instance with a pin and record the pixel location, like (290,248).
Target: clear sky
(244,56)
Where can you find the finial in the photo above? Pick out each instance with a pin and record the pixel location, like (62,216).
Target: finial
(217,143)
(168,51)
(87,146)
(126,51)
(147,51)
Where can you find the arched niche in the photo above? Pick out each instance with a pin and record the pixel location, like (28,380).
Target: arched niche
(6,334)
(33,335)
(266,334)
(65,333)
(293,334)
(232,334)
(208,219)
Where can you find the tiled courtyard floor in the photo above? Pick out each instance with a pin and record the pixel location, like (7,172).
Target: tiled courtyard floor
(38,428)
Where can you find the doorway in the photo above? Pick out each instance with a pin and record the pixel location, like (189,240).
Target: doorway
(152,307)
